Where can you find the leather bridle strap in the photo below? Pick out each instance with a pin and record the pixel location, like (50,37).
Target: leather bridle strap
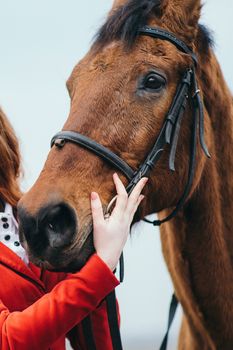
(88,333)
(168,134)
(191,170)
(172,311)
(113,321)
(84,141)
(197,121)
(162,34)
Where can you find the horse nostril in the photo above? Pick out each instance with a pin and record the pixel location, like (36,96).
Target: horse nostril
(53,226)
(59,224)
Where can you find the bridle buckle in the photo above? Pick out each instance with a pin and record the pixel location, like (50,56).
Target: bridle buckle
(197,92)
(59,143)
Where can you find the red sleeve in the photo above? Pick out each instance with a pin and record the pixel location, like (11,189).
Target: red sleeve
(51,317)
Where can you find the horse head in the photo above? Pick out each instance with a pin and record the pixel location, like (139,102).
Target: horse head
(120,92)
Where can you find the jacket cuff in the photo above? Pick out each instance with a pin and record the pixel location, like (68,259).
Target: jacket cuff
(99,275)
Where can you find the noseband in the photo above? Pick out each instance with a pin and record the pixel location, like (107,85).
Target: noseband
(169,135)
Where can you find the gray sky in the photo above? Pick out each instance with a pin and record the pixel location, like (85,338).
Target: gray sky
(40,43)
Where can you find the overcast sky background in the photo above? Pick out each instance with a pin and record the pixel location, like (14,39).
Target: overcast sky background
(40,43)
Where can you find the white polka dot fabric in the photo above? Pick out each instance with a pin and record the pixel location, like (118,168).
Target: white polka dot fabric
(9,233)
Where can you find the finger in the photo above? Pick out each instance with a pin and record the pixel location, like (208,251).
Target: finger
(122,197)
(140,199)
(134,196)
(97,210)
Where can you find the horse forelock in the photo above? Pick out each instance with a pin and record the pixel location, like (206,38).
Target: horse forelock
(124,22)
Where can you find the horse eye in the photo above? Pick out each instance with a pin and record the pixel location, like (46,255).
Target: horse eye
(154,82)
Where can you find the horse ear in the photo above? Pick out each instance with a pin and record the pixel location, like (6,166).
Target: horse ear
(182,16)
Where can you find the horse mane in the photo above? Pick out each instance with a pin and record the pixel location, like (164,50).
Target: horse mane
(205,38)
(10,162)
(124,22)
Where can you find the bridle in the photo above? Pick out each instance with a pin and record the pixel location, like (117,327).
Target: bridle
(169,135)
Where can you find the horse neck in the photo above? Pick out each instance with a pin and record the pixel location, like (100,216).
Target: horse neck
(219,103)
(198,244)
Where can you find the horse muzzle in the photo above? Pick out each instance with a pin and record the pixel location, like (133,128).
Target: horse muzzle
(50,237)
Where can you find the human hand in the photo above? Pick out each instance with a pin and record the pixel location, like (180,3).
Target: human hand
(110,235)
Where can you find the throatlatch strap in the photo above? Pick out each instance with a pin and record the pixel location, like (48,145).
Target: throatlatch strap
(113,321)
(88,333)
(172,311)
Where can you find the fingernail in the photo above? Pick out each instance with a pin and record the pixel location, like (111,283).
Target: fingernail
(115,174)
(145,180)
(94,196)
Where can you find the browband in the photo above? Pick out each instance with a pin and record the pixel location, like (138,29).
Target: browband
(162,34)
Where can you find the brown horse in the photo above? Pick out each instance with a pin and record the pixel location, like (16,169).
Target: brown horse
(120,93)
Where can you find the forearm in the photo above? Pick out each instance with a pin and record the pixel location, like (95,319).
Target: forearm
(40,325)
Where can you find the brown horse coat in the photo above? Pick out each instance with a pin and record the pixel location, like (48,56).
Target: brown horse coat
(110,104)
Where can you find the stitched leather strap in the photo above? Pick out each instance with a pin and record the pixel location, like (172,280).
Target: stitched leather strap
(88,333)
(113,321)
(172,311)
(95,147)
(199,105)
(113,325)
(165,136)
(192,163)
(162,34)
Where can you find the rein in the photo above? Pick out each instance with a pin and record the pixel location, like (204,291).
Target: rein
(168,136)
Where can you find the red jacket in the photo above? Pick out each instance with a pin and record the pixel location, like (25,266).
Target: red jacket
(37,309)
